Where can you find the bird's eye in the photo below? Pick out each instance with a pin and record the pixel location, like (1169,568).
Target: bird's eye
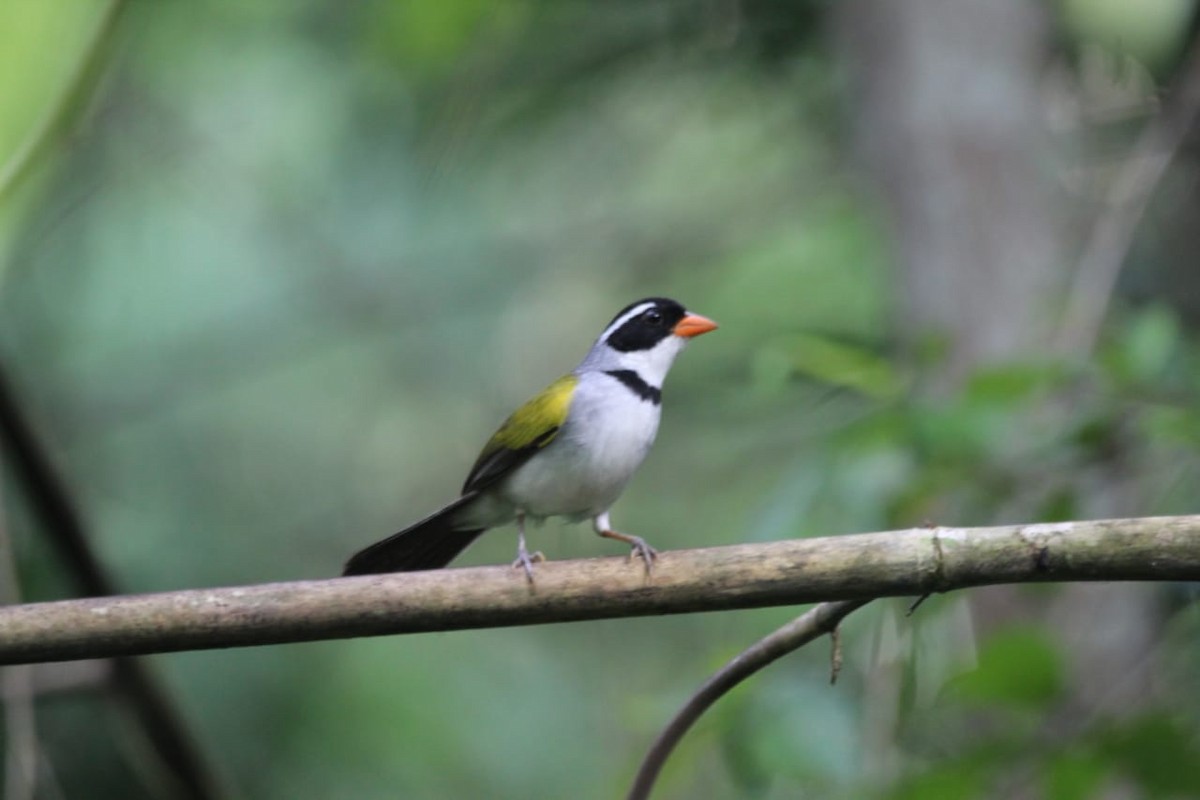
(654,316)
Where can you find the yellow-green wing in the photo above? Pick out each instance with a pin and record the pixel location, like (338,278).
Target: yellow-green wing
(530,428)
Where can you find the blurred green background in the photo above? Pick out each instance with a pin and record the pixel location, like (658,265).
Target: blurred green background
(271,272)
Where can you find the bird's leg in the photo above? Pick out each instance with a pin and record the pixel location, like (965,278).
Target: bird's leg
(644,551)
(525,559)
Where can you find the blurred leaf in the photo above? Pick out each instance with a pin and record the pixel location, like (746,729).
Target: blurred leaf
(944,642)
(830,272)
(956,434)
(1010,383)
(1150,31)
(886,428)
(843,364)
(1098,436)
(1019,668)
(739,739)
(1179,426)
(1074,775)
(40,44)
(931,349)
(46,50)
(1145,347)
(790,729)
(1158,752)
(1060,505)
(949,781)
(436,35)
(771,368)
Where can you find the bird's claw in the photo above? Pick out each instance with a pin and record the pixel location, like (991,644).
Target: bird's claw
(526,560)
(642,550)
(639,547)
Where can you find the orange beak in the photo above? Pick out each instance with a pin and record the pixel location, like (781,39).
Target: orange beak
(693,325)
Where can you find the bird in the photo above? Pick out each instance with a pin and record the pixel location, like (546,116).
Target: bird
(567,452)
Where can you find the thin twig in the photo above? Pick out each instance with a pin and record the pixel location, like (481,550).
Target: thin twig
(797,633)
(912,609)
(1124,206)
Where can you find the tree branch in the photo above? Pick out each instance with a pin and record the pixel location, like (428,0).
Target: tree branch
(854,567)
(815,623)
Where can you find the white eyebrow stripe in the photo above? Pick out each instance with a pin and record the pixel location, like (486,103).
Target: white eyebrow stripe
(621,320)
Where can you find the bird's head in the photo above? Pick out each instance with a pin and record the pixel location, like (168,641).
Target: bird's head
(646,336)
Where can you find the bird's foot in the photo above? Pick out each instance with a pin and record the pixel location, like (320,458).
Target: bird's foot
(642,550)
(638,546)
(526,560)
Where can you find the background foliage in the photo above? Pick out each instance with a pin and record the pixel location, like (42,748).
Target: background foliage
(287,264)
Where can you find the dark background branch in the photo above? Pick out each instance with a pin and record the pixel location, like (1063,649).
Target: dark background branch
(50,501)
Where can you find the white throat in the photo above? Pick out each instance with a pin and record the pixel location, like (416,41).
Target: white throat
(653,365)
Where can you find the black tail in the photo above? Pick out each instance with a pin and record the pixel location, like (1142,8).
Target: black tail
(431,543)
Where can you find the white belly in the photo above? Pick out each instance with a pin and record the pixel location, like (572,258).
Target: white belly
(584,470)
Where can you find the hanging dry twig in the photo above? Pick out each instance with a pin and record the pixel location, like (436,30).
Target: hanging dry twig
(797,633)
